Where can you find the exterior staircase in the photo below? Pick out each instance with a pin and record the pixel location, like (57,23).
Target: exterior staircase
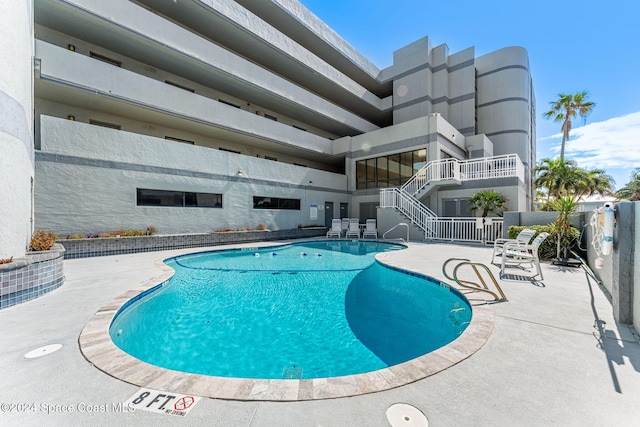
(438,173)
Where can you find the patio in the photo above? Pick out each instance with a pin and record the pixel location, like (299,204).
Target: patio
(556,356)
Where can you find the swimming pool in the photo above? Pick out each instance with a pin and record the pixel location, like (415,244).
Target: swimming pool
(300,311)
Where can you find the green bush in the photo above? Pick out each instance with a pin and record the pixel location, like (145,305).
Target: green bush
(548,247)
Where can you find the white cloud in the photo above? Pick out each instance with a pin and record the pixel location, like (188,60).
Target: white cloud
(610,144)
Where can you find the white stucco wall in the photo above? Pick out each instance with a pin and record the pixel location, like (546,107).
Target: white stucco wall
(92,188)
(636,270)
(504,100)
(303,15)
(116,83)
(176,39)
(252,23)
(16,126)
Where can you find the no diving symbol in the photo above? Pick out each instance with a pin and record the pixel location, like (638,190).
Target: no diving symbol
(184,403)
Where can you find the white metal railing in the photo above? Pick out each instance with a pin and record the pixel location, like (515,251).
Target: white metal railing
(464,229)
(437,170)
(465,170)
(492,167)
(408,205)
(455,229)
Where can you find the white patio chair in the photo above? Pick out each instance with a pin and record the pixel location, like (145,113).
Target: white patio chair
(524,237)
(515,253)
(336,229)
(370,230)
(354,229)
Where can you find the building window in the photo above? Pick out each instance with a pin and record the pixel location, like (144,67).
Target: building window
(146,197)
(229,151)
(105,124)
(105,59)
(184,141)
(389,171)
(260,202)
(228,103)
(178,85)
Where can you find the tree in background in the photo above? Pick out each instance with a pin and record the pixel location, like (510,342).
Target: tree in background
(564,178)
(488,201)
(631,191)
(566,108)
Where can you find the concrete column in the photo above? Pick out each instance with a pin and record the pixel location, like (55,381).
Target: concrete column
(623,262)
(16,126)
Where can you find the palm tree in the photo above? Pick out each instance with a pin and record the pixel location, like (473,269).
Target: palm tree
(488,201)
(564,177)
(558,177)
(631,191)
(565,206)
(598,182)
(566,108)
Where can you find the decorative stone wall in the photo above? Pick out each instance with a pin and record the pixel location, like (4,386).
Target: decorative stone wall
(32,276)
(84,248)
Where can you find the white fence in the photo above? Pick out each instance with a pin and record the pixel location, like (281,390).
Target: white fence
(468,229)
(483,230)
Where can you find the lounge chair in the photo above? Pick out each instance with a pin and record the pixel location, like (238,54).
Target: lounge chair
(345,226)
(354,229)
(336,230)
(524,237)
(370,230)
(515,253)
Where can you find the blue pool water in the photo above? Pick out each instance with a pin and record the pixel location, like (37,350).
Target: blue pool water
(308,310)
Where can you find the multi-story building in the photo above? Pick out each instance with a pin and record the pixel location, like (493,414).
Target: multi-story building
(206,114)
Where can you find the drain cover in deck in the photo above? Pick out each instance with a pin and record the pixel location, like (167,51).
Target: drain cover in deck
(403,415)
(43,351)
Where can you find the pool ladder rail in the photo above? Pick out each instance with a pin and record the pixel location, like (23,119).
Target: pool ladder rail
(404,224)
(478,287)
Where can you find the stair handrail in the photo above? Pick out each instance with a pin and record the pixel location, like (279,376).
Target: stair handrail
(408,205)
(435,170)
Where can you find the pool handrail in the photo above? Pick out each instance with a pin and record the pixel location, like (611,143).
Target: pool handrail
(384,236)
(473,285)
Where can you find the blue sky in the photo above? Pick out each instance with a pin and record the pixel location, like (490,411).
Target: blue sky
(573,45)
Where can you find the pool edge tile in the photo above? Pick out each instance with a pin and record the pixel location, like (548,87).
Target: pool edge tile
(98,349)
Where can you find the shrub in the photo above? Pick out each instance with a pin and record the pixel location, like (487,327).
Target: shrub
(42,240)
(261,227)
(151,230)
(123,232)
(75,236)
(548,247)
(6,260)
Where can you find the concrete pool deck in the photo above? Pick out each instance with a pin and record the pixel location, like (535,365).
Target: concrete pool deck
(555,356)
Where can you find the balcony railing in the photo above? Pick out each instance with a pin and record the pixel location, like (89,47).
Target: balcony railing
(465,170)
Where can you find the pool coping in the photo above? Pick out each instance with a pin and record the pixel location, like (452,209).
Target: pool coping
(97,347)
